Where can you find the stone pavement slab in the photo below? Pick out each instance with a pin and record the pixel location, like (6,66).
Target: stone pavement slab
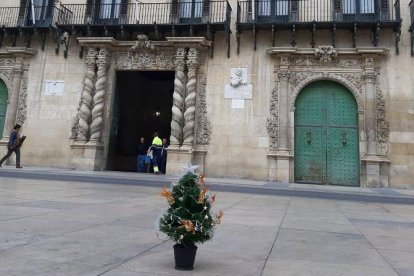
(75,228)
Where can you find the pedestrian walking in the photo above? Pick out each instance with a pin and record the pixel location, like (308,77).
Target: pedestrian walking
(14,144)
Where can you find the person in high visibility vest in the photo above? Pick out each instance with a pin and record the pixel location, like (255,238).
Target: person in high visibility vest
(156,149)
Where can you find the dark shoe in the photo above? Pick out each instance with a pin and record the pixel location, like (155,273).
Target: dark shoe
(19,167)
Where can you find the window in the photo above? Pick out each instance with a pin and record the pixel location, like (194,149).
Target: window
(109,9)
(282,7)
(358,6)
(191,8)
(273,7)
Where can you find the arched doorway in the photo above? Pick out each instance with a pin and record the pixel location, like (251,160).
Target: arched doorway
(326,135)
(3,106)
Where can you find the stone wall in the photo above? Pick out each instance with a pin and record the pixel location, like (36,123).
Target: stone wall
(239,139)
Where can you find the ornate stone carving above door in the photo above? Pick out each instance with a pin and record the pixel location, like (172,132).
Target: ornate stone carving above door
(144,61)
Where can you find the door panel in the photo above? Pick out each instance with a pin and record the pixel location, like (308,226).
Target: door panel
(326,135)
(3,106)
(342,156)
(310,164)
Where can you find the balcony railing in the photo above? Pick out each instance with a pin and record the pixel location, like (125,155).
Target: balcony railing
(43,16)
(281,12)
(216,12)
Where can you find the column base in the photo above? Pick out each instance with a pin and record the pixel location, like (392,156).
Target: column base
(87,156)
(375,171)
(280,166)
(177,158)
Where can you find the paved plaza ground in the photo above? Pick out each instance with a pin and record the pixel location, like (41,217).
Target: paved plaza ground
(64,227)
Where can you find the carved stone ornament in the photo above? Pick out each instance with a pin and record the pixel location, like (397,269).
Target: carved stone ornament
(383,126)
(325,54)
(298,77)
(237,78)
(284,61)
(273,121)
(140,61)
(203,129)
(283,74)
(143,44)
(299,80)
(22,107)
(369,63)
(354,78)
(313,62)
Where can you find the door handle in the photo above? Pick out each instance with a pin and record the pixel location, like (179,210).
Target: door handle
(309,136)
(344,138)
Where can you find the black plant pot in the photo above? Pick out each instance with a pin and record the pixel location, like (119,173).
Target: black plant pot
(184,256)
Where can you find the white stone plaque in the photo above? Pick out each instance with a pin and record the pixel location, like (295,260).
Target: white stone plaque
(239,104)
(54,87)
(242,92)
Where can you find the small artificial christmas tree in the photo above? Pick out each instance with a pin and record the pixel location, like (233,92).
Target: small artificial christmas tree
(188,220)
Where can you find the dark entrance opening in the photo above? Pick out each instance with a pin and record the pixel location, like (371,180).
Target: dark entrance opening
(142,105)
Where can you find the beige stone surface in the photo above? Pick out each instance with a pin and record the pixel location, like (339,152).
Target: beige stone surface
(239,142)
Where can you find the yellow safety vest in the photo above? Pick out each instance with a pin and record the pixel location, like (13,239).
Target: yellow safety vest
(157,141)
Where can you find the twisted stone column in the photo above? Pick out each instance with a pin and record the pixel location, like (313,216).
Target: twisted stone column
(190,99)
(86,98)
(178,99)
(98,99)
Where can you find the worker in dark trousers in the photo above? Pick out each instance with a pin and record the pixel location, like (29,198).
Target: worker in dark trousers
(163,162)
(156,149)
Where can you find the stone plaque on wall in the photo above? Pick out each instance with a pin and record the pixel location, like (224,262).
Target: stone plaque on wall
(54,88)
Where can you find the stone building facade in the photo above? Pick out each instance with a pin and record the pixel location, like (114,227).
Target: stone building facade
(236,88)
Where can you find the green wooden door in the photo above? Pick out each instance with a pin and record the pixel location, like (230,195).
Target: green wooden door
(326,135)
(3,106)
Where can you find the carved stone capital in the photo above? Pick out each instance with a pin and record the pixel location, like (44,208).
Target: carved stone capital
(369,75)
(90,59)
(103,59)
(284,61)
(192,58)
(180,59)
(369,62)
(283,74)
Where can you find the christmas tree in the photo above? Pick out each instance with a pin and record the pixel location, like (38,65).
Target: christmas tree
(188,220)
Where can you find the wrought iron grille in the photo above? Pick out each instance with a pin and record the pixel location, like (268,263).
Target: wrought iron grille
(308,11)
(37,16)
(165,13)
